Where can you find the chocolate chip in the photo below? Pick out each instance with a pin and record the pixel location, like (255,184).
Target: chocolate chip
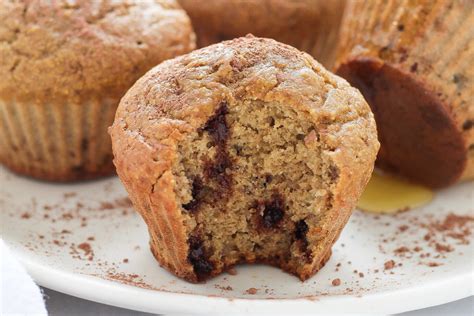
(468,124)
(197,257)
(414,67)
(238,150)
(301,228)
(217,126)
(400,27)
(197,188)
(271,121)
(273,212)
(218,130)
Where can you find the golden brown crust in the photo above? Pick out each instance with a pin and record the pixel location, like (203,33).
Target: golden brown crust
(421,51)
(64,65)
(83,47)
(178,96)
(309,25)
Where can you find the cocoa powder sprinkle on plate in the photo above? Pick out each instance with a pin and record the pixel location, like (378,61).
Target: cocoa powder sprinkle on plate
(251,291)
(389,265)
(26,215)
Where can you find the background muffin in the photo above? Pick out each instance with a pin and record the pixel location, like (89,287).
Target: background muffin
(413,63)
(64,65)
(244,151)
(309,25)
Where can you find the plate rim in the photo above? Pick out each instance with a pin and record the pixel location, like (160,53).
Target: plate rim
(155,301)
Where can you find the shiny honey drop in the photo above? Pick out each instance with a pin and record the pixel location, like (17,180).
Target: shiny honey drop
(387,194)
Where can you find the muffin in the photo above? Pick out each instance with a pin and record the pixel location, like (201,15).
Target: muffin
(64,65)
(243,151)
(413,64)
(309,25)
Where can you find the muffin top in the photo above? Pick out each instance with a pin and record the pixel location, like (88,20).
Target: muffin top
(70,48)
(182,93)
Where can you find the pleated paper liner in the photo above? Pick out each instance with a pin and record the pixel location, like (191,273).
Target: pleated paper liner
(425,48)
(58,141)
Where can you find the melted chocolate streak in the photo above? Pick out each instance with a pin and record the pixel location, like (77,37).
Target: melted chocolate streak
(218,130)
(197,188)
(273,209)
(198,258)
(215,171)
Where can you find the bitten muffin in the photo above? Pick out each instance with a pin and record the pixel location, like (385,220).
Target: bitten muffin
(309,25)
(64,65)
(413,63)
(243,151)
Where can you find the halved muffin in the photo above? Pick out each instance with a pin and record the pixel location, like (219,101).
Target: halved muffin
(243,151)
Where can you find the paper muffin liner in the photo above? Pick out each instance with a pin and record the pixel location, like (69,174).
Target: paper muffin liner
(58,141)
(430,41)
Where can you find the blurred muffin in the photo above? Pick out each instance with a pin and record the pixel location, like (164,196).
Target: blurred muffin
(243,151)
(309,25)
(64,65)
(413,63)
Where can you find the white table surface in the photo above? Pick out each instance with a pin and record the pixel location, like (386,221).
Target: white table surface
(59,304)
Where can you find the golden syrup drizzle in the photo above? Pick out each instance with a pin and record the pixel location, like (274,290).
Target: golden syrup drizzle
(387,194)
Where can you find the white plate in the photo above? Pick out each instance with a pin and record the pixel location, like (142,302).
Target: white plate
(44,226)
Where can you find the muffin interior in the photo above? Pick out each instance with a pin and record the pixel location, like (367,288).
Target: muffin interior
(253,184)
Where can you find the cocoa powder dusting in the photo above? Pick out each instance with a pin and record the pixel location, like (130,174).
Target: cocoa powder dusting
(401,250)
(223,288)
(389,265)
(251,291)
(443,248)
(106,206)
(128,279)
(88,252)
(232,271)
(26,215)
(440,237)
